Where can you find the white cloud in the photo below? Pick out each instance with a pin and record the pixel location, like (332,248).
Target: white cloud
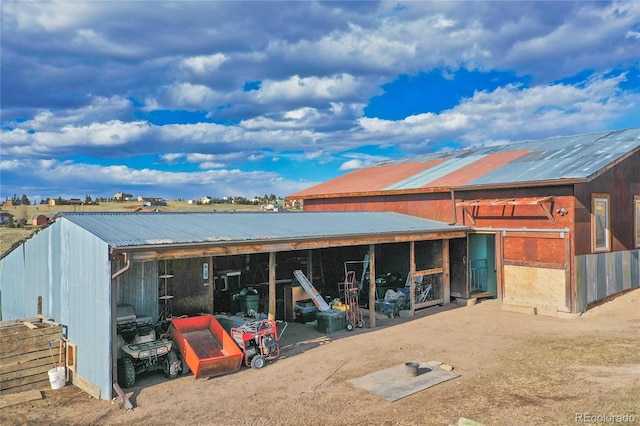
(204,64)
(513,113)
(352,164)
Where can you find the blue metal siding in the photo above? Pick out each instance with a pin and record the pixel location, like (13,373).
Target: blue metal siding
(70,269)
(85,283)
(12,270)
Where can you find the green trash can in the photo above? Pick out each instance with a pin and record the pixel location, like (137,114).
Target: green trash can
(250,302)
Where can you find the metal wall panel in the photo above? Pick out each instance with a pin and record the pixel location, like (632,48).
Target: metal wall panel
(604,274)
(70,269)
(139,287)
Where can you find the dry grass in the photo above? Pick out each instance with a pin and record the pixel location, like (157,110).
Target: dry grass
(10,236)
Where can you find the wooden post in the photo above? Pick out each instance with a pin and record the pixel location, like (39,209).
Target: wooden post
(372,285)
(446,272)
(211,283)
(499,265)
(412,270)
(272,286)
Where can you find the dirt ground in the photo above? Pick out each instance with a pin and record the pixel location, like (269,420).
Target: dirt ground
(516,369)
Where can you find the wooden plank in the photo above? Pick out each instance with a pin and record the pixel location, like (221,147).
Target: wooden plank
(42,384)
(85,385)
(127,404)
(545,265)
(6,368)
(30,325)
(24,357)
(14,348)
(24,383)
(36,370)
(19,398)
(22,332)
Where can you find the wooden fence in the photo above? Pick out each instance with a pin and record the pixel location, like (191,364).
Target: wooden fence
(599,276)
(25,354)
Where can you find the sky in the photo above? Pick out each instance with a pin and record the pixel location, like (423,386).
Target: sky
(182,100)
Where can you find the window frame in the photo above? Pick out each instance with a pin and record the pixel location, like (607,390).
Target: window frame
(595,199)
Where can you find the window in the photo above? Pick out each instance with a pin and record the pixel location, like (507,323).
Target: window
(636,203)
(600,218)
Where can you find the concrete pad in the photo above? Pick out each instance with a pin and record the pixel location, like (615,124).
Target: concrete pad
(396,382)
(466,302)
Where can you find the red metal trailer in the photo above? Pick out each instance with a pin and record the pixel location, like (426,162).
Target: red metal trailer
(205,346)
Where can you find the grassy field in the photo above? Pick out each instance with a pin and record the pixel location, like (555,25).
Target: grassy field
(10,236)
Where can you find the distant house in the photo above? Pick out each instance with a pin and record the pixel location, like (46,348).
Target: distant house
(39,220)
(122,196)
(51,202)
(5,217)
(205,200)
(75,202)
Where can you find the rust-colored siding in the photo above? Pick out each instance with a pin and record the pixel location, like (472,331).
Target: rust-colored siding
(621,183)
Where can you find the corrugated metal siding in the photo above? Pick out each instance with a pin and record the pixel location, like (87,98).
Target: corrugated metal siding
(86,280)
(12,270)
(479,167)
(604,274)
(139,287)
(70,269)
(135,229)
(572,157)
(375,178)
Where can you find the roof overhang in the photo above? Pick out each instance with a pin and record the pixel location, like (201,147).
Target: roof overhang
(228,248)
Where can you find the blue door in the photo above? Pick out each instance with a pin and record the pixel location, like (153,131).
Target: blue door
(483,280)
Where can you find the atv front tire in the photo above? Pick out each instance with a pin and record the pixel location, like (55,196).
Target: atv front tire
(172,366)
(126,372)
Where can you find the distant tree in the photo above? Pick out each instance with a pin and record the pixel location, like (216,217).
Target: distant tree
(22,215)
(25,200)
(87,199)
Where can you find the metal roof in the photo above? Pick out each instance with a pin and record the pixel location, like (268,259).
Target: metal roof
(157,229)
(576,158)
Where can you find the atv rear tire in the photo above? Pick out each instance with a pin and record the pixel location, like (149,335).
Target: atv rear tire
(172,366)
(126,372)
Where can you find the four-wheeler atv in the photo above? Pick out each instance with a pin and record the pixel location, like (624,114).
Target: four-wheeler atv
(139,350)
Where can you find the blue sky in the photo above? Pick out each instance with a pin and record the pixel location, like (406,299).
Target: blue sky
(186,99)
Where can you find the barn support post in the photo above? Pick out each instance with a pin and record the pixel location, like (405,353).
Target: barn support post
(272,285)
(446,273)
(210,283)
(372,285)
(412,270)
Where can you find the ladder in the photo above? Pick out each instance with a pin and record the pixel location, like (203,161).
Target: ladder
(311,290)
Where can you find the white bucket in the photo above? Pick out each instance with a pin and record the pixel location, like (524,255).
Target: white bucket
(57,377)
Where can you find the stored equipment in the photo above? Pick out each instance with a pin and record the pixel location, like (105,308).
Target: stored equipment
(258,340)
(350,290)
